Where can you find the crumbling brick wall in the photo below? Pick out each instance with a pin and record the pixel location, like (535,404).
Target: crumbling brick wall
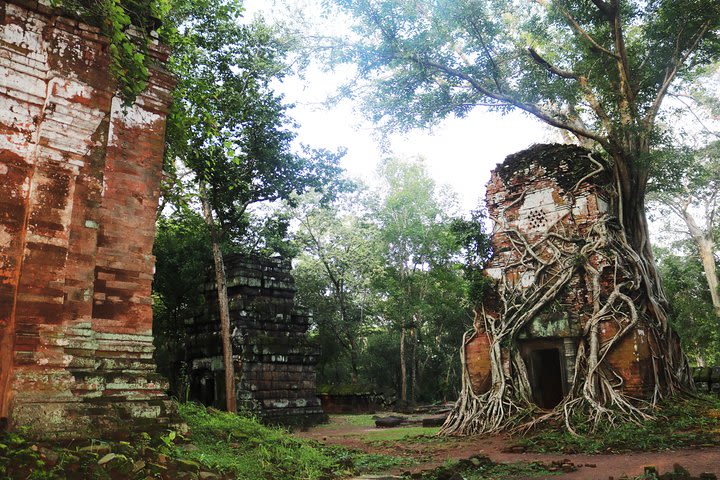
(79,180)
(275,363)
(544,187)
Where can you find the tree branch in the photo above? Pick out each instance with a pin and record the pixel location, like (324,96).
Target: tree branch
(595,103)
(583,81)
(535,110)
(679,98)
(627,104)
(488,55)
(551,68)
(604,8)
(584,34)
(670,76)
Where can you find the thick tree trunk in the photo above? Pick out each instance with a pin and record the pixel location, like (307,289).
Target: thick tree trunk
(403,367)
(223,303)
(705,246)
(707,256)
(672,370)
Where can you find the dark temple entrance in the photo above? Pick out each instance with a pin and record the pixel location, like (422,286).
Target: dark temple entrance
(546,366)
(546,378)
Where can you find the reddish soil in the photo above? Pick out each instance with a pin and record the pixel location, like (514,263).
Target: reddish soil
(434,452)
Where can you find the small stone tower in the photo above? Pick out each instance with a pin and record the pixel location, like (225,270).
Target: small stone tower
(275,363)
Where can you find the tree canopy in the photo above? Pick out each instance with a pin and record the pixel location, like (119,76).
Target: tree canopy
(599,69)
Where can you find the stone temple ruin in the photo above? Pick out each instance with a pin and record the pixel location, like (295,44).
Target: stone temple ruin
(274,363)
(79,188)
(544,187)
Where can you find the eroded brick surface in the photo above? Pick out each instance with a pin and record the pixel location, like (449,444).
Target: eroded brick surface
(531,192)
(275,363)
(79,179)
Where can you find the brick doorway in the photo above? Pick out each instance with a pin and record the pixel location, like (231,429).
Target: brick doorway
(546,371)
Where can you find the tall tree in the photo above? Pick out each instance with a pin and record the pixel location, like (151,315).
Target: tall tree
(229,127)
(416,237)
(360,303)
(692,312)
(598,69)
(340,257)
(687,185)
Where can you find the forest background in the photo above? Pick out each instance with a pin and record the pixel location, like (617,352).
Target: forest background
(391,268)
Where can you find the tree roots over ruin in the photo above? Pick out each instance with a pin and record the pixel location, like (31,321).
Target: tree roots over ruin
(622,296)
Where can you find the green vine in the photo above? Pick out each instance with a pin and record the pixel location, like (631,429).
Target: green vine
(127,24)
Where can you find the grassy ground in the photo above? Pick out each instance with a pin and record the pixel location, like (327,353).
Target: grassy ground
(678,423)
(364,420)
(479,467)
(423,446)
(400,434)
(220,446)
(378,435)
(228,446)
(249,450)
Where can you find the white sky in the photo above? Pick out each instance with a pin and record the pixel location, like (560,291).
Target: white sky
(459,153)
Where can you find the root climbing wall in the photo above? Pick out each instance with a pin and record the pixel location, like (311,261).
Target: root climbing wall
(553,188)
(79,178)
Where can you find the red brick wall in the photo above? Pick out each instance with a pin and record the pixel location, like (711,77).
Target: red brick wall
(477,360)
(79,180)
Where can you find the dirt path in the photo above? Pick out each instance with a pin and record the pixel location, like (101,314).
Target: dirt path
(433,452)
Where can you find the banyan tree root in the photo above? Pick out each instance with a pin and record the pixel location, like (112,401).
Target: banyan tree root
(596,396)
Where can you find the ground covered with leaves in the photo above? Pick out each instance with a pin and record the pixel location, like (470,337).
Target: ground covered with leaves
(679,423)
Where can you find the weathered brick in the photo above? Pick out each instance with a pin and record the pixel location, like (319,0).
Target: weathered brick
(270,345)
(75,207)
(550,187)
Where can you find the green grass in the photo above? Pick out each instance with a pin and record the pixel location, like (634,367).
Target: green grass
(679,423)
(242,446)
(237,444)
(508,471)
(487,469)
(399,434)
(353,420)
(218,442)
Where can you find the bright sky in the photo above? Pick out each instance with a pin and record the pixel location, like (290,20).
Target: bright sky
(459,153)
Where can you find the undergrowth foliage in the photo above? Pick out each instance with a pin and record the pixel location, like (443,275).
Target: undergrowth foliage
(220,444)
(241,446)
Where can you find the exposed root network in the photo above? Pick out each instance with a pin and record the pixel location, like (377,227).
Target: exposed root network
(622,293)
